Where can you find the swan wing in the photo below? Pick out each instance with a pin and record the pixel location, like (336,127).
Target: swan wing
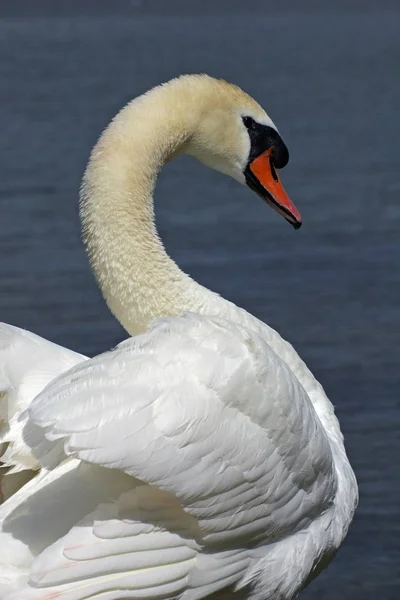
(94,531)
(204,409)
(139,545)
(27,364)
(212,426)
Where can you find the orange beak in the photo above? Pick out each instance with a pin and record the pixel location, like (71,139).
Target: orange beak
(262,177)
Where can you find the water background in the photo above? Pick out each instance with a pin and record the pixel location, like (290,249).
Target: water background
(328,74)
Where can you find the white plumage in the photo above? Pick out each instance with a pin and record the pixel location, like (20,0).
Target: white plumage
(27,364)
(199,457)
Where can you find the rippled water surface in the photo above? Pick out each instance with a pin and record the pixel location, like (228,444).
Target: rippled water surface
(329,78)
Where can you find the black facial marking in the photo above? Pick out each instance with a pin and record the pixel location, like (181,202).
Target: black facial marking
(263,137)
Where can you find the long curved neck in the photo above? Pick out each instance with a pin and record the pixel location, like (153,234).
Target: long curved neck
(138,279)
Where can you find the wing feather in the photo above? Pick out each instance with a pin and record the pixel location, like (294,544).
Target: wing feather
(27,364)
(141,545)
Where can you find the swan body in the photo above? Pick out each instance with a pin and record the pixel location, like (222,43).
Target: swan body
(200,458)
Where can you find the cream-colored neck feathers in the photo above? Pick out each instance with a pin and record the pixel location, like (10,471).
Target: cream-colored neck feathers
(138,279)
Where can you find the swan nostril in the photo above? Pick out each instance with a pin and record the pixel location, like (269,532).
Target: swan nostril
(273,172)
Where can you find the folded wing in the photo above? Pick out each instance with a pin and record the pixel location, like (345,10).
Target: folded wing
(203,409)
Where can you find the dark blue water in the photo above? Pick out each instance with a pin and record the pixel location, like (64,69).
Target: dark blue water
(330,80)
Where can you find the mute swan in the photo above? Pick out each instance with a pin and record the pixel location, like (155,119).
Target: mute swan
(200,458)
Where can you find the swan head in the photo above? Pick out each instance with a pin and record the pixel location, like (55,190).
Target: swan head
(234,135)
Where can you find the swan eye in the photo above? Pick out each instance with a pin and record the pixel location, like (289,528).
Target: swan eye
(250,123)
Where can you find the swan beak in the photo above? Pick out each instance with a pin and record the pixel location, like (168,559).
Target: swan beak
(262,177)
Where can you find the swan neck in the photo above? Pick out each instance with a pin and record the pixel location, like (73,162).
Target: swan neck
(138,279)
